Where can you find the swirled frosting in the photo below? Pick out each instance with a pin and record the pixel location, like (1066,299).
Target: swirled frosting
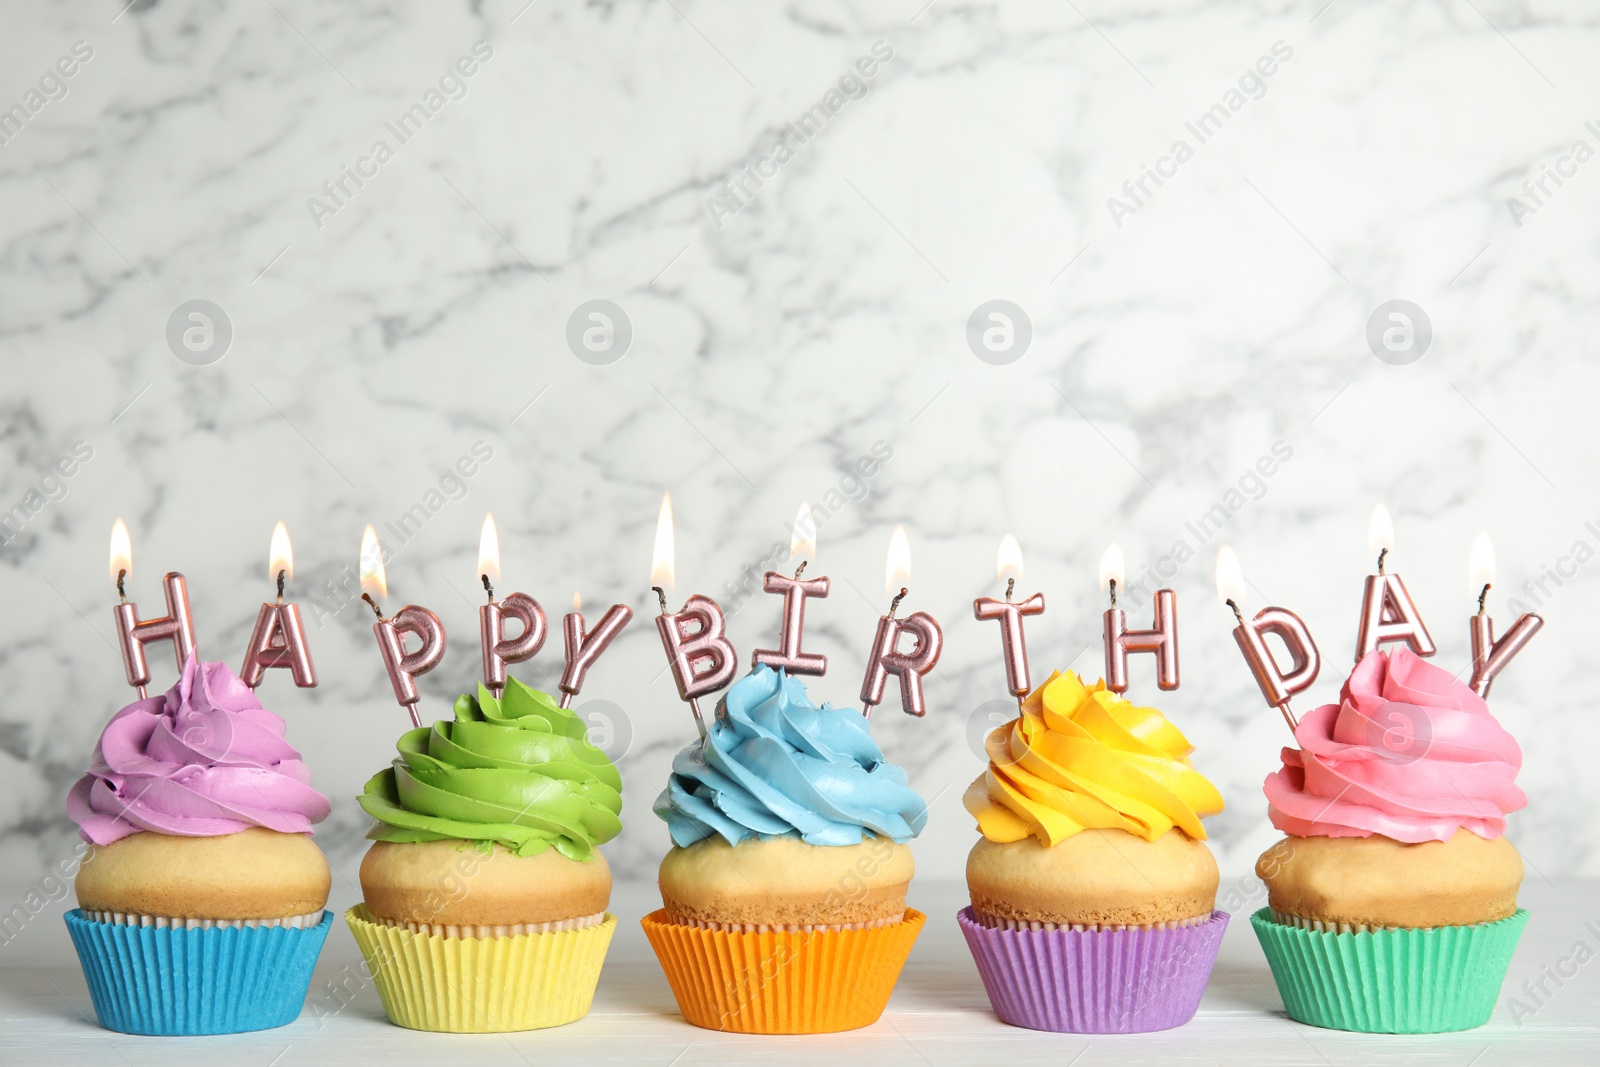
(1409,752)
(202,759)
(515,770)
(1080,758)
(773,764)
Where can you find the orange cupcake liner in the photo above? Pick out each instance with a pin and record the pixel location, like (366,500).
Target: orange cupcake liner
(781,982)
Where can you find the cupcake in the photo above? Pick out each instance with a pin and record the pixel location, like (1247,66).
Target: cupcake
(1093,892)
(1392,902)
(200,898)
(484,897)
(785,890)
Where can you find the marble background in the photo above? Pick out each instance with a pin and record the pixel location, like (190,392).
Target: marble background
(781,330)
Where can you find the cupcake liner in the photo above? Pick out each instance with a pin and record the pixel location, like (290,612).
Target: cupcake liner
(513,930)
(1390,981)
(296,922)
(995,922)
(779,981)
(1124,981)
(169,981)
(786,928)
(482,985)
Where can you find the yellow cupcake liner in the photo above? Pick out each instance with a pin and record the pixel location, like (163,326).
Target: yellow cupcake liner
(778,981)
(482,985)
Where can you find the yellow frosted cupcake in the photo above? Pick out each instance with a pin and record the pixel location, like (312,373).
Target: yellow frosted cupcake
(1093,892)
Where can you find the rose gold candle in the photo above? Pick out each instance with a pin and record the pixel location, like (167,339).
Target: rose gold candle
(278,639)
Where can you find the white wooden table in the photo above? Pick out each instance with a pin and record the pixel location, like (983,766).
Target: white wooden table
(939,1014)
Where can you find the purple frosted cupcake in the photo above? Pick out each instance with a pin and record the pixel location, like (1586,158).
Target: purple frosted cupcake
(1093,892)
(201,894)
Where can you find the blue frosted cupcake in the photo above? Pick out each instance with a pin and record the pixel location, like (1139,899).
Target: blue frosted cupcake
(201,896)
(785,891)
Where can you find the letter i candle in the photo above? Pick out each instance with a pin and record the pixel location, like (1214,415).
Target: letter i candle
(788,657)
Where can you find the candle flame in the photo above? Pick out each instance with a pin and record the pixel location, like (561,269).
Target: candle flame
(121,550)
(1480,564)
(664,557)
(577,601)
(489,549)
(1111,567)
(373,581)
(897,568)
(1230,577)
(803,537)
(280,554)
(1380,532)
(1008,560)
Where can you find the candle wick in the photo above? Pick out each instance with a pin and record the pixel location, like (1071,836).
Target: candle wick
(894,605)
(1236,613)
(282,577)
(1113,584)
(1011,584)
(487,587)
(661,598)
(798,571)
(373,604)
(1382,553)
(1483,597)
(122,593)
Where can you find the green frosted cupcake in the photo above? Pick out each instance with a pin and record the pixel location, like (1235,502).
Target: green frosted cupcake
(485,895)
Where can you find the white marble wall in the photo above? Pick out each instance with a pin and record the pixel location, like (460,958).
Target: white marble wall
(780,330)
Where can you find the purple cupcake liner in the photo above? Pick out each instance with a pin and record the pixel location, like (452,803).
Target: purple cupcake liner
(1128,981)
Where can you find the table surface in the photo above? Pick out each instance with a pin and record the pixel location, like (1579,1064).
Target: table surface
(938,1015)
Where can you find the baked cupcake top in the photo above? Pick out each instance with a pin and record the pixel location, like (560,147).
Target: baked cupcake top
(773,764)
(202,759)
(1079,758)
(1409,752)
(515,770)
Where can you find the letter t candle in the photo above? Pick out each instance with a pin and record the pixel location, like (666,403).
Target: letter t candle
(403,666)
(1008,566)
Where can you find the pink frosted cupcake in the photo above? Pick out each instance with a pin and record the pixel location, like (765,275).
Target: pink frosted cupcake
(1392,902)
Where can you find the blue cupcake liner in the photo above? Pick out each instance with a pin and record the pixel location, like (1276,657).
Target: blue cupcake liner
(167,982)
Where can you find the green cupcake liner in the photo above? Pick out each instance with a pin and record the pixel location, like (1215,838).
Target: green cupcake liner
(1396,981)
